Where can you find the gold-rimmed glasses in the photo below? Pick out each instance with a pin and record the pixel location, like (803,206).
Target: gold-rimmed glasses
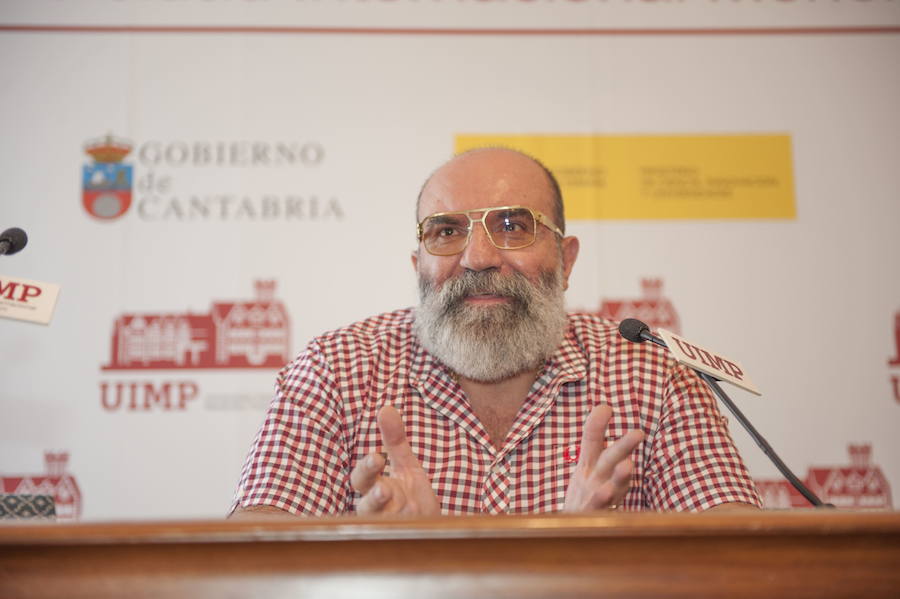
(507,227)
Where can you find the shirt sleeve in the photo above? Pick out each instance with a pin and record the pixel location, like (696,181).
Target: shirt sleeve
(694,464)
(298,461)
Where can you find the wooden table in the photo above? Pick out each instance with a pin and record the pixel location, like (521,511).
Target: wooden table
(781,554)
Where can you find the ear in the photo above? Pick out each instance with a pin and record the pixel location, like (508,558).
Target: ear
(415,260)
(570,247)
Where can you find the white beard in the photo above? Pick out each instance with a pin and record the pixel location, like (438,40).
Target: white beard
(492,343)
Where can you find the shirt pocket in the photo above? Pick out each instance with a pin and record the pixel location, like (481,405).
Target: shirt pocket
(565,458)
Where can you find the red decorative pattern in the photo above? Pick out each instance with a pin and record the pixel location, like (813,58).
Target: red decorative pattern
(56,483)
(652,308)
(861,485)
(250,334)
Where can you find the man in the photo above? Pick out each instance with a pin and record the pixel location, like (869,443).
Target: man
(488,397)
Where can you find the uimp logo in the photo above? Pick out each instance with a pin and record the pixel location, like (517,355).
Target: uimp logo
(24,299)
(55,482)
(861,484)
(652,307)
(106,183)
(253,333)
(233,334)
(18,290)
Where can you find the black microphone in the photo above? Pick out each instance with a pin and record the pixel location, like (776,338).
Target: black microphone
(12,240)
(636,331)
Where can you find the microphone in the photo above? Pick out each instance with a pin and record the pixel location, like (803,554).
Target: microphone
(12,240)
(636,331)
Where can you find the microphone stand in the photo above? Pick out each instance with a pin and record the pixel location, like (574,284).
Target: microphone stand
(713,384)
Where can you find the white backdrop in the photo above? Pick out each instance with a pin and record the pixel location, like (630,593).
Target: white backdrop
(807,304)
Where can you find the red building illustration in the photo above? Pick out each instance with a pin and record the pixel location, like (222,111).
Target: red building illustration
(652,308)
(56,483)
(860,485)
(248,334)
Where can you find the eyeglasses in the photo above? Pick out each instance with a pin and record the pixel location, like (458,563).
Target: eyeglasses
(508,228)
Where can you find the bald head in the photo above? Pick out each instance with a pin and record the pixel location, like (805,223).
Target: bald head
(491,173)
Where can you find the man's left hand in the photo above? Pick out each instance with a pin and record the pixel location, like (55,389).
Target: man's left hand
(603,474)
(408,490)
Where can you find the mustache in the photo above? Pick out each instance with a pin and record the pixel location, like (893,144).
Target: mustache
(515,286)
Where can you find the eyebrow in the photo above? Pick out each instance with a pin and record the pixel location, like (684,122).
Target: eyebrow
(447,218)
(508,211)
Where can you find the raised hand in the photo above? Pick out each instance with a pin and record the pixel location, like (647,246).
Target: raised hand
(407,490)
(603,474)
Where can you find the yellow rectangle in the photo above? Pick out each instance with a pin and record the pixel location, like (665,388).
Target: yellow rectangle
(617,177)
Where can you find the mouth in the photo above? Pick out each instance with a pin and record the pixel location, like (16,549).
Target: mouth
(487,298)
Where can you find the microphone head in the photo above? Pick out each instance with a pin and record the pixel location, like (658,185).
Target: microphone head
(16,238)
(631,329)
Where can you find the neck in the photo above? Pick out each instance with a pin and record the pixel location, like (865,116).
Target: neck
(496,404)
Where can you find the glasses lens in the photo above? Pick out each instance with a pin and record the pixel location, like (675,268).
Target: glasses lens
(445,233)
(511,228)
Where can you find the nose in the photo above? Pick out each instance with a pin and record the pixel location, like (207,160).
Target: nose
(480,254)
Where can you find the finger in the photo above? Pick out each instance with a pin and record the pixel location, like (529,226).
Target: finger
(602,498)
(613,490)
(617,452)
(621,481)
(393,436)
(621,475)
(593,436)
(375,501)
(366,472)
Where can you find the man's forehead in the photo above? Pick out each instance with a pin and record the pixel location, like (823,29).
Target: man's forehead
(485,178)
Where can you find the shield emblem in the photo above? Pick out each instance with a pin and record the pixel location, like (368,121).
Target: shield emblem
(106,189)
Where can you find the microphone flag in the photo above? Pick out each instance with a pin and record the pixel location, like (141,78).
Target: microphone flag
(704,360)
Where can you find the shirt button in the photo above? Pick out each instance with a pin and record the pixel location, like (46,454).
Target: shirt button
(497,469)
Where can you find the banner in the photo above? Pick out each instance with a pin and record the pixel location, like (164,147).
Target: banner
(213,183)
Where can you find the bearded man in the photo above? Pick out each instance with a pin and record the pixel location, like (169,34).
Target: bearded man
(489,398)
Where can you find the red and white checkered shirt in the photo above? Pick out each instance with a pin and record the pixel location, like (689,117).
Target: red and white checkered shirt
(322,421)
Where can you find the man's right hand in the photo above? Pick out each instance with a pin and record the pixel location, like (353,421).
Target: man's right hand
(407,490)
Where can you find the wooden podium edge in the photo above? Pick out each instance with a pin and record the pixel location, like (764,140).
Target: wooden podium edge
(602,524)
